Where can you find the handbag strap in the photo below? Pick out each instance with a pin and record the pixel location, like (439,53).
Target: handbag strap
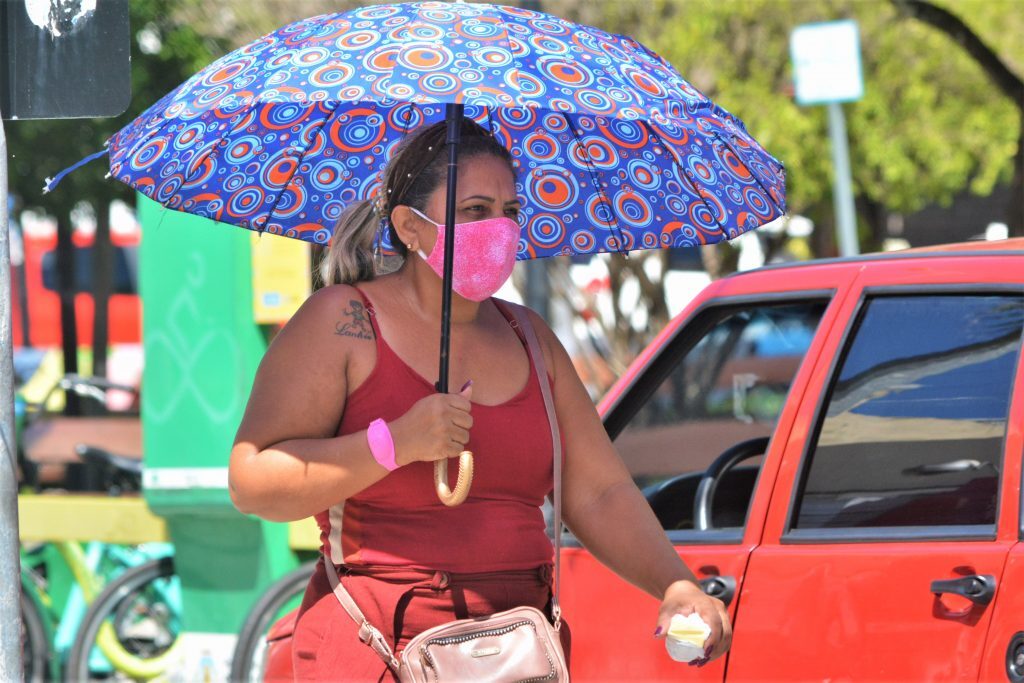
(540,366)
(368,633)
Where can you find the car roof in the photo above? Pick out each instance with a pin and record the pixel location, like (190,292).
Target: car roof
(1012,244)
(1008,247)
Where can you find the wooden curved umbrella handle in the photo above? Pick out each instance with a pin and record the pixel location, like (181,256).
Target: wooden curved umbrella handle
(465,480)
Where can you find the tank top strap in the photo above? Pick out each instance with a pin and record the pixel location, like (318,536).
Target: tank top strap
(371,313)
(509,311)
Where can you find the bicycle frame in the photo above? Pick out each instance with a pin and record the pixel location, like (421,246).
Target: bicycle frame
(87,566)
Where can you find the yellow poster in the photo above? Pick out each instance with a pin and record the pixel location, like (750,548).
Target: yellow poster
(280,277)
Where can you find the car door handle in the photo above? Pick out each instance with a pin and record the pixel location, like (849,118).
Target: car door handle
(978,588)
(721,587)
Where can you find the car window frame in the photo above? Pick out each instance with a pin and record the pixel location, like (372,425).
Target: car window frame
(682,341)
(948,532)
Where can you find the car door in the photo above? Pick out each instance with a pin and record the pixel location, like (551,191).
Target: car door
(894,508)
(718,377)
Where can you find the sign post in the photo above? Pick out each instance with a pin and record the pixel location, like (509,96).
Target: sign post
(10,572)
(826,63)
(58,59)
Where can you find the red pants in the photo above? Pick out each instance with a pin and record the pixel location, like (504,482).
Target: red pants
(401,603)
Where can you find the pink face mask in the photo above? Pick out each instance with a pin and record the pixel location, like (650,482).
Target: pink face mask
(485,253)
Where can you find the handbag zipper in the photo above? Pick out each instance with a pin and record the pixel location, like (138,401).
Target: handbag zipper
(455,640)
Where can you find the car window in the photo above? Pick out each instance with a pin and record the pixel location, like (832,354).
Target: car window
(912,433)
(726,380)
(124,265)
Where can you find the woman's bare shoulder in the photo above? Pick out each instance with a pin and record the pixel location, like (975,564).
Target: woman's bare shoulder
(331,315)
(333,302)
(330,298)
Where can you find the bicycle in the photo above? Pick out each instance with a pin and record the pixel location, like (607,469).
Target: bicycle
(248,663)
(133,623)
(56,626)
(124,627)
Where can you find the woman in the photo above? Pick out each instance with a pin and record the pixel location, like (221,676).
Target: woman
(343,424)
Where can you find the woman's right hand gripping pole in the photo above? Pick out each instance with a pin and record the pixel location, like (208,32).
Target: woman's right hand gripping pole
(436,427)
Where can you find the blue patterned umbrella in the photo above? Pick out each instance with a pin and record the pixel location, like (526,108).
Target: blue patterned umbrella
(615,150)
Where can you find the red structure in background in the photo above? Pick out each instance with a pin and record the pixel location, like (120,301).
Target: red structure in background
(44,303)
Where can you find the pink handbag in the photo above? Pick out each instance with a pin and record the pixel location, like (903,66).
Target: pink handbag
(519,644)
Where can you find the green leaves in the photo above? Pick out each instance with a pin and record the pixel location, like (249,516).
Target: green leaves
(930,125)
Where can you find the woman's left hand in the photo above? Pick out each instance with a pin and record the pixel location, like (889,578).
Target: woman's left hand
(686,597)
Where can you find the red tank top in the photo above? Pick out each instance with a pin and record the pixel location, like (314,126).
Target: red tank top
(400,521)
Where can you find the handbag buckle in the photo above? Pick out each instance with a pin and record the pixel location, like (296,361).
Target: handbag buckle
(366,632)
(556,614)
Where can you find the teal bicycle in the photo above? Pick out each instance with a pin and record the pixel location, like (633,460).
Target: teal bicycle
(95,610)
(63,621)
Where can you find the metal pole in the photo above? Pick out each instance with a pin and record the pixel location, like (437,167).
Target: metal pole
(10,572)
(538,287)
(453,116)
(842,191)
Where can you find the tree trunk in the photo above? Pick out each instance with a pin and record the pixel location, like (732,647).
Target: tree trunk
(66,282)
(102,284)
(1015,209)
(712,261)
(877,216)
(1002,77)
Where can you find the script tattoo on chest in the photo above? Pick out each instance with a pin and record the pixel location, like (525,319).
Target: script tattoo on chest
(356,323)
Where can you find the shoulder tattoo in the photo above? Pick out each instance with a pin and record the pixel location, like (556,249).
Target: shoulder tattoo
(356,322)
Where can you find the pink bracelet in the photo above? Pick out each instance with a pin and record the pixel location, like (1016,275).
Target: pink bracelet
(382,446)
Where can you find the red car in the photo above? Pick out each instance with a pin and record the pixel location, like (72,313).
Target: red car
(835,448)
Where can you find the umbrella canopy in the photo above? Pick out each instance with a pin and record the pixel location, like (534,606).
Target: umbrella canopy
(615,150)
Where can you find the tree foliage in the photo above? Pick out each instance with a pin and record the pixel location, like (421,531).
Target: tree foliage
(930,123)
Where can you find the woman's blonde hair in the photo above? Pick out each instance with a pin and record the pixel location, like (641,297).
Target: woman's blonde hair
(417,169)
(349,257)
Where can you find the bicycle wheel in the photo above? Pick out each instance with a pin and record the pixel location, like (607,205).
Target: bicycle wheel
(133,622)
(35,647)
(247,663)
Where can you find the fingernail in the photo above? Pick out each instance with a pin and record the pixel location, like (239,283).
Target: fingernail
(708,649)
(657,632)
(467,385)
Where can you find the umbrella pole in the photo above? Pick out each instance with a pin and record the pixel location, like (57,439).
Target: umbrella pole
(453,117)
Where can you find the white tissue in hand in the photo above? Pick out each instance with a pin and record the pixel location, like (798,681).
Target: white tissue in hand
(686,637)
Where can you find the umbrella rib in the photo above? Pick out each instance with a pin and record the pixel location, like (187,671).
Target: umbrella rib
(156,106)
(298,162)
(221,142)
(517,66)
(154,132)
(753,175)
(594,179)
(490,121)
(684,174)
(408,120)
